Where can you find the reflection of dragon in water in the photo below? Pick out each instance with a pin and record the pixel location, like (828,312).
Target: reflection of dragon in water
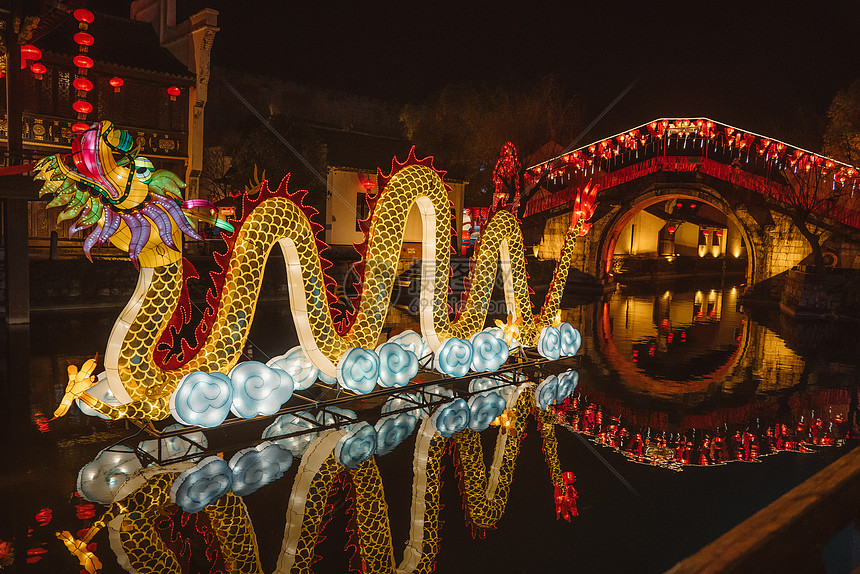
(145,498)
(104,183)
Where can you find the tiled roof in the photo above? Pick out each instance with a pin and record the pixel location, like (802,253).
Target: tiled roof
(361,151)
(118,41)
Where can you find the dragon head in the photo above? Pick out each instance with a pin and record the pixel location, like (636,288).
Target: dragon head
(103,182)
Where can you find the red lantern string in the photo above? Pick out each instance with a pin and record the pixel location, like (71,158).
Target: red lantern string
(83,62)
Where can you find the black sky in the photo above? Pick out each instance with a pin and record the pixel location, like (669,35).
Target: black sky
(765,66)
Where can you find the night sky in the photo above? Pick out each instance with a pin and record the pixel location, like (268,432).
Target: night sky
(771,67)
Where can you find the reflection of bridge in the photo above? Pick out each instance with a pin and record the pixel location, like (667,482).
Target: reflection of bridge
(672,162)
(749,351)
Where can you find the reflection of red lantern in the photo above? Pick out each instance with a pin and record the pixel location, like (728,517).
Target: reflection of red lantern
(116,83)
(173,91)
(82,84)
(38,69)
(671,229)
(82,107)
(84,62)
(30,52)
(84,40)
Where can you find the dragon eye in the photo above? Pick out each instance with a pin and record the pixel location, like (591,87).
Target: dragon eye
(143,169)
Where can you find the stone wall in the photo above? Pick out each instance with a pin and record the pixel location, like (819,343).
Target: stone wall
(835,294)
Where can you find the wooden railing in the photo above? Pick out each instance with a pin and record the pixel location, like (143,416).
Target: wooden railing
(788,535)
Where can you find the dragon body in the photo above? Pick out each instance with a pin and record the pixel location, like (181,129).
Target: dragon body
(105,185)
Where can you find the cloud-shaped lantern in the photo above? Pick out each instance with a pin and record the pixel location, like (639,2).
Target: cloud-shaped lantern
(100,479)
(567,382)
(412,341)
(454,357)
(356,446)
(549,343)
(546,392)
(452,417)
(358,370)
(397,365)
(202,399)
(570,339)
(299,367)
(489,352)
(202,484)
(291,423)
(256,467)
(393,429)
(484,408)
(259,389)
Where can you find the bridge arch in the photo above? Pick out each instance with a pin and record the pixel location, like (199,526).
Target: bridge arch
(607,236)
(744,175)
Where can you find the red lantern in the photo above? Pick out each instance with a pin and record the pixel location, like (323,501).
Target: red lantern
(84,17)
(82,84)
(368,184)
(82,107)
(23,64)
(692,206)
(671,229)
(706,232)
(84,62)
(173,91)
(679,205)
(84,40)
(38,69)
(718,232)
(80,128)
(116,83)
(30,52)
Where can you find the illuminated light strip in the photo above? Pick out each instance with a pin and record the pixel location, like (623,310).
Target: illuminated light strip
(316,454)
(119,332)
(545,165)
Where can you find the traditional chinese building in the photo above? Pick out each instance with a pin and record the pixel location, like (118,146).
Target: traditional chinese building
(98,66)
(146,73)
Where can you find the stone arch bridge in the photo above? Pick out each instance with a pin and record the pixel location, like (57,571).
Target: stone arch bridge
(683,163)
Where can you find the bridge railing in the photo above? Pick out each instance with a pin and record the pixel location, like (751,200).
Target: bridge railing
(732,174)
(788,535)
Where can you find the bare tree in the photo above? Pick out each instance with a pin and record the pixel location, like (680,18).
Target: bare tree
(816,201)
(216,173)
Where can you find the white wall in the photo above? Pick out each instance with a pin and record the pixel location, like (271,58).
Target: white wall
(341,209)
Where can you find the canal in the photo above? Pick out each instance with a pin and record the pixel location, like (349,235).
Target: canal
(691,414)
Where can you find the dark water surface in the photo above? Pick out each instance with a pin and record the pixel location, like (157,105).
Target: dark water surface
(671,379)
